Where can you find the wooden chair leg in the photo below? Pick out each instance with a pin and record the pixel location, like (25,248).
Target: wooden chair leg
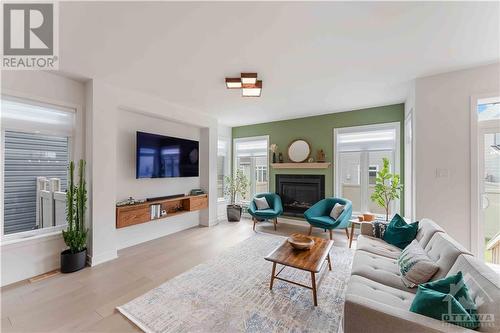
(254,222)
(310,230)
(347,232)
(275,221)
(331,235)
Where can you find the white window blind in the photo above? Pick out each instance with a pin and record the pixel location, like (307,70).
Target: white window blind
(31,117)
(36,143)
(382,139)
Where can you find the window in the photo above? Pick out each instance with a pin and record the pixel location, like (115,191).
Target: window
(372,174)
(359,154)
(36,144)
(222,166)
(488,110)
(251,157)
(261,173)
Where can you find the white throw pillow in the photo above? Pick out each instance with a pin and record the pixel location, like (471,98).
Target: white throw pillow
(336,211)
(261,203)
(415,266)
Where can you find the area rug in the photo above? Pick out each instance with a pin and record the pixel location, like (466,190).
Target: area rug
(230,293)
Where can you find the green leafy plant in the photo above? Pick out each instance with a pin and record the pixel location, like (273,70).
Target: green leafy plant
(387,188)
(238,184)
(75,236)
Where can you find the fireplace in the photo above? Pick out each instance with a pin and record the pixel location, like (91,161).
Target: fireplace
(299,192)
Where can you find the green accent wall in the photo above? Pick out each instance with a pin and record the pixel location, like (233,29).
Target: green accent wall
(318,131)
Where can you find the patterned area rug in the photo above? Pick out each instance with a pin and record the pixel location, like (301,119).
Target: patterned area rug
(230,293)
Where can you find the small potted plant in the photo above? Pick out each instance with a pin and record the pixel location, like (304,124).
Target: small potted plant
(387,188)
(237,185)
(75,236)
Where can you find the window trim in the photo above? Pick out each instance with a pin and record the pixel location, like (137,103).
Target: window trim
(44,102)
(397,152)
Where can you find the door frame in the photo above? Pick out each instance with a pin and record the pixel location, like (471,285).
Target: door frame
(397,153)
(474,199)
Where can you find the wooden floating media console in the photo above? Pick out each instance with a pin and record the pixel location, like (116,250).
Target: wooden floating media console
(141,213)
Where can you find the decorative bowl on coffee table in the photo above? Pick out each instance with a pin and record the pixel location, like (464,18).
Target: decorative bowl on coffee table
(300,242)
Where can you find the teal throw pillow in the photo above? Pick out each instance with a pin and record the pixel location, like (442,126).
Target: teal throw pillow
(447,299)
(400,233)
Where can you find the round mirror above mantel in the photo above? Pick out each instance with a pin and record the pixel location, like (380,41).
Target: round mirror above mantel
(299,151)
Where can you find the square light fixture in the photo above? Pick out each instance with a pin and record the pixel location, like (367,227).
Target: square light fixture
(251,90)
(233,83)
(247,82)
(249,78)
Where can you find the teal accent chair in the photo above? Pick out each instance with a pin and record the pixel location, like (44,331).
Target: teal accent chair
(318,215)
(272,213)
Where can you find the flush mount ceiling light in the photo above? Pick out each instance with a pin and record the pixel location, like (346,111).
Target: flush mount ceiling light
(248,83)
(234,83)
(251,90)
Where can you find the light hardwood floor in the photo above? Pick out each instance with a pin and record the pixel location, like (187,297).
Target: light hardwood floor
(85,301)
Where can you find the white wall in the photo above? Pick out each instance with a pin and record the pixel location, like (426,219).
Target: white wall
(128,186)
(442,142)
(107,154)
(25,258)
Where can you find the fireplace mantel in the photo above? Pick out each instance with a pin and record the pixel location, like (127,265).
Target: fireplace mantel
(313,165)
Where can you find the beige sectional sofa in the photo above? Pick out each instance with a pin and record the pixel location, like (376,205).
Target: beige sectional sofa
(378,301)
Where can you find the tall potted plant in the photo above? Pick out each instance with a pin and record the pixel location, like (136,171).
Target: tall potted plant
(75,236)
(236,185)
(387,188)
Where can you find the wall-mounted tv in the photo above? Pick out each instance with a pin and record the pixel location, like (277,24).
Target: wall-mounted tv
(161,156)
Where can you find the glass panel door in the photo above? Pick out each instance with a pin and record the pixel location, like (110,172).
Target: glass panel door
(350,178)
(488,180)
(359,153)
(375,164)
(490,196)
(251,157)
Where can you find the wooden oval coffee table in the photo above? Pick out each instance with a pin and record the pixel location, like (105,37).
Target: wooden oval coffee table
(311,261)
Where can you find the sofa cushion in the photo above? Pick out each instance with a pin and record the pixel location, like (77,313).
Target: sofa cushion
(379,269)
(336,211)
(380,293)
(443,250)
(415,266)
(446,299)
(426,229)
(266,213)
(377,246)
(484,287)
(321,221)
(400,233)
(261,203)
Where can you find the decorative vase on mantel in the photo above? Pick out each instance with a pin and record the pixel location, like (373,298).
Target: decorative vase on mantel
(273,148)
(280,157)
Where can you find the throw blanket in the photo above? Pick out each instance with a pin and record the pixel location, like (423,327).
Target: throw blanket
(379,228)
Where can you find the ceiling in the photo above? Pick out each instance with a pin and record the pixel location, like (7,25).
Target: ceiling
(313,57)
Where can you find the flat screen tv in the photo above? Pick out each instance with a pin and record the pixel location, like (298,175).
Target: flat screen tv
(161,156)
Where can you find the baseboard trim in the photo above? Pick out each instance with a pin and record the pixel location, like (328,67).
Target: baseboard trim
(102,258)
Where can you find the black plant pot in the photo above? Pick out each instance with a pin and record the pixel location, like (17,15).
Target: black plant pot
(234,213)
(72,262)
